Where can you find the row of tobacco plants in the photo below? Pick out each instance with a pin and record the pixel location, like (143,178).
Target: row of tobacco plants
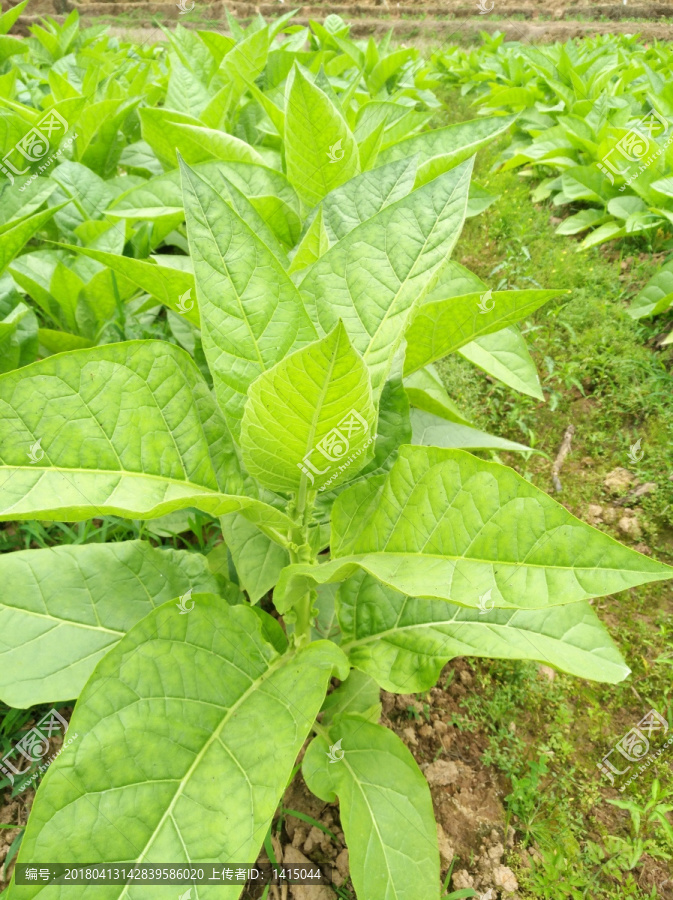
(594,129)
(225,278)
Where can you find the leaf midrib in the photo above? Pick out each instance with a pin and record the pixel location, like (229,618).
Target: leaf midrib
(406,554)
(438,220)
(279,662)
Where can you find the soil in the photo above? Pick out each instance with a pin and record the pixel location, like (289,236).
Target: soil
(535,21)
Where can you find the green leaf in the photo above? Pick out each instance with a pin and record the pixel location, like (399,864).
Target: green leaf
(126,429)
(13,239)
(320,151)
(374,276)
(182,703)
(365,196)
(168,132)
(65,607)
(433,431)
(251,313)
(585,218)
(18,338)
(426,390)
(246,61)
(448,526)
(358,695)
(60,341)
(393,428)
(388,66)
(505,356)
(404,642)
(312,245)
(442,326)
(269,192)
(10,46)
(385,809)
(258,560)
(186,92)
(311,415)
(167,284)
(586,183)
(607,232)
(445,148)
(656,296)
(15,205)
(8,18)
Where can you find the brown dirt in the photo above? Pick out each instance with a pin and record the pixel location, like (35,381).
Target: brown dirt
(537,21)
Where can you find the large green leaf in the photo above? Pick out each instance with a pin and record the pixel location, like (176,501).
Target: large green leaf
(442,326)
(251,313)
(504,355)
(320,151)
(404,642)
(373,278)
(173,735)
(385,809)
(126,429)
(63,608)
(448,526)
(311,415)
(445,148)
(18,338)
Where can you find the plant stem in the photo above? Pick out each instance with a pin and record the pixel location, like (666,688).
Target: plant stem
(301,552)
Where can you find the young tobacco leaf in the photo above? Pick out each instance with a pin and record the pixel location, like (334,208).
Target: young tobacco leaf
(293,408)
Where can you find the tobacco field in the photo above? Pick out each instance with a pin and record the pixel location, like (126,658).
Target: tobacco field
(336,483)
